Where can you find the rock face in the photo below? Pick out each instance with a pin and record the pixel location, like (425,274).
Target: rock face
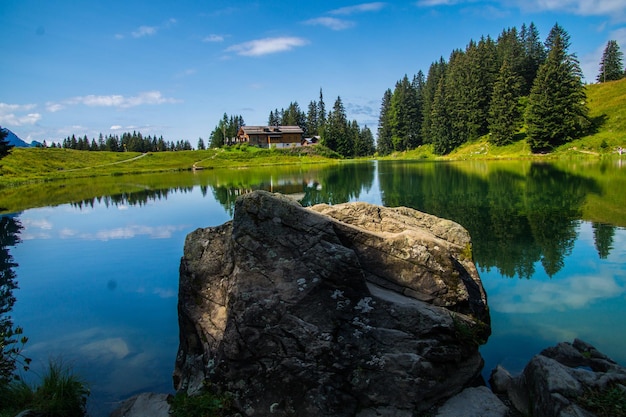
(349,310)
(555,382)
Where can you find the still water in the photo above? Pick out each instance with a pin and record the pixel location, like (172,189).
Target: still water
(98,259)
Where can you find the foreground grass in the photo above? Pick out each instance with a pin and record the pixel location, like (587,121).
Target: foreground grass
(60,394)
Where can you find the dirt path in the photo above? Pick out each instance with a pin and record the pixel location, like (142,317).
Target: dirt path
(104,165)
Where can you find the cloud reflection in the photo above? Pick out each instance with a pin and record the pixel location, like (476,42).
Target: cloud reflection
(128,232)
(574,292)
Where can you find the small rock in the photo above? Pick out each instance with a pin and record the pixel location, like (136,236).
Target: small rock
(474,402)
(147,404)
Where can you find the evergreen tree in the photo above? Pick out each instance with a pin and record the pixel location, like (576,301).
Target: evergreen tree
(556,111)
(436,71)
(365,143)
(321,113)
(384,143)
(440,124)
(5,146)
(504,112)
(404,115)
(534,55)
(336,134)
(312,120)
(611,67)
(201,146)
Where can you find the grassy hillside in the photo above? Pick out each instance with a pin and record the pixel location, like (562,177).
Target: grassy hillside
(38,164)
(607,110)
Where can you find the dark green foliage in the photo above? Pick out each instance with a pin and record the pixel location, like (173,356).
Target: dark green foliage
(441,122)
(505,115)
(204,404)
(336,134)
(384,144)
(404,116)
(611,67)
(556,111)
(11,339)
(435,73)
(5,147)
(225,133)
(364,141)
(201,145)
(603,235)
(534,55)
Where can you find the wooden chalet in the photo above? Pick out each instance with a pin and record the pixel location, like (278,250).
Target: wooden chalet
(268,136)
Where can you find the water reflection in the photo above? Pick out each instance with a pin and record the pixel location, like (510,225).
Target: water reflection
(102,256)
(515,217)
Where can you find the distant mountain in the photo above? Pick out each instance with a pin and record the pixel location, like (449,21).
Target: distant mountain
(15,141)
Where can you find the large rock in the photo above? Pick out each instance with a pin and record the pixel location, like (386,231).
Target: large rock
(555,382)
(349,310)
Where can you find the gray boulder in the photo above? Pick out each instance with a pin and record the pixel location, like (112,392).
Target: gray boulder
(147,404)
(554,382)
(349,310)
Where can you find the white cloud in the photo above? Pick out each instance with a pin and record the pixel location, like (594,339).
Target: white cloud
(144,31)
(331,23)
(114,100)
(54,107)
(359,8)
(213,38)
(9,114)
(431,3)
(116,127)
(581,7)
(267,46)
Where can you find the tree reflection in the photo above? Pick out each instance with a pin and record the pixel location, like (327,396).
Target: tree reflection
(516,218)
(603,238)
(10,228)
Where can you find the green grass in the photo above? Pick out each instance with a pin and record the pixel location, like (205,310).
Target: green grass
(610,402)
(60,394)
(204,404)
(39,164)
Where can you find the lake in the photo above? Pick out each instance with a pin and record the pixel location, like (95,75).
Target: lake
(98,258)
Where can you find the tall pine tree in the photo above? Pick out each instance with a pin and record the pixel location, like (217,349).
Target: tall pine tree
(611,67)
(556,111)
(384,144)
(504,112)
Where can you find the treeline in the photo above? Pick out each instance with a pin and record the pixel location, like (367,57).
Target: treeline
(129,142)
(491,87)
(332,128)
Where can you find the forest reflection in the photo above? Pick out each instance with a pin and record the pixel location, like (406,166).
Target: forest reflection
(518,215)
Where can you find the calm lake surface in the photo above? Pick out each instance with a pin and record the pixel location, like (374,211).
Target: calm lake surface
(98,277)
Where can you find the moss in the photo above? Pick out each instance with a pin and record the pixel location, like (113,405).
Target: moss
(467,253)
(610,402)
(205,404)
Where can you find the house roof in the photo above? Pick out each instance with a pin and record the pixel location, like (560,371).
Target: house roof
(255,130)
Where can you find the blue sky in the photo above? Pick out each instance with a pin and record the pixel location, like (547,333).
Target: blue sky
(173,68)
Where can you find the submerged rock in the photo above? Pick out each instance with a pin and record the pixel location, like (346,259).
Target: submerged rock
(346,310)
